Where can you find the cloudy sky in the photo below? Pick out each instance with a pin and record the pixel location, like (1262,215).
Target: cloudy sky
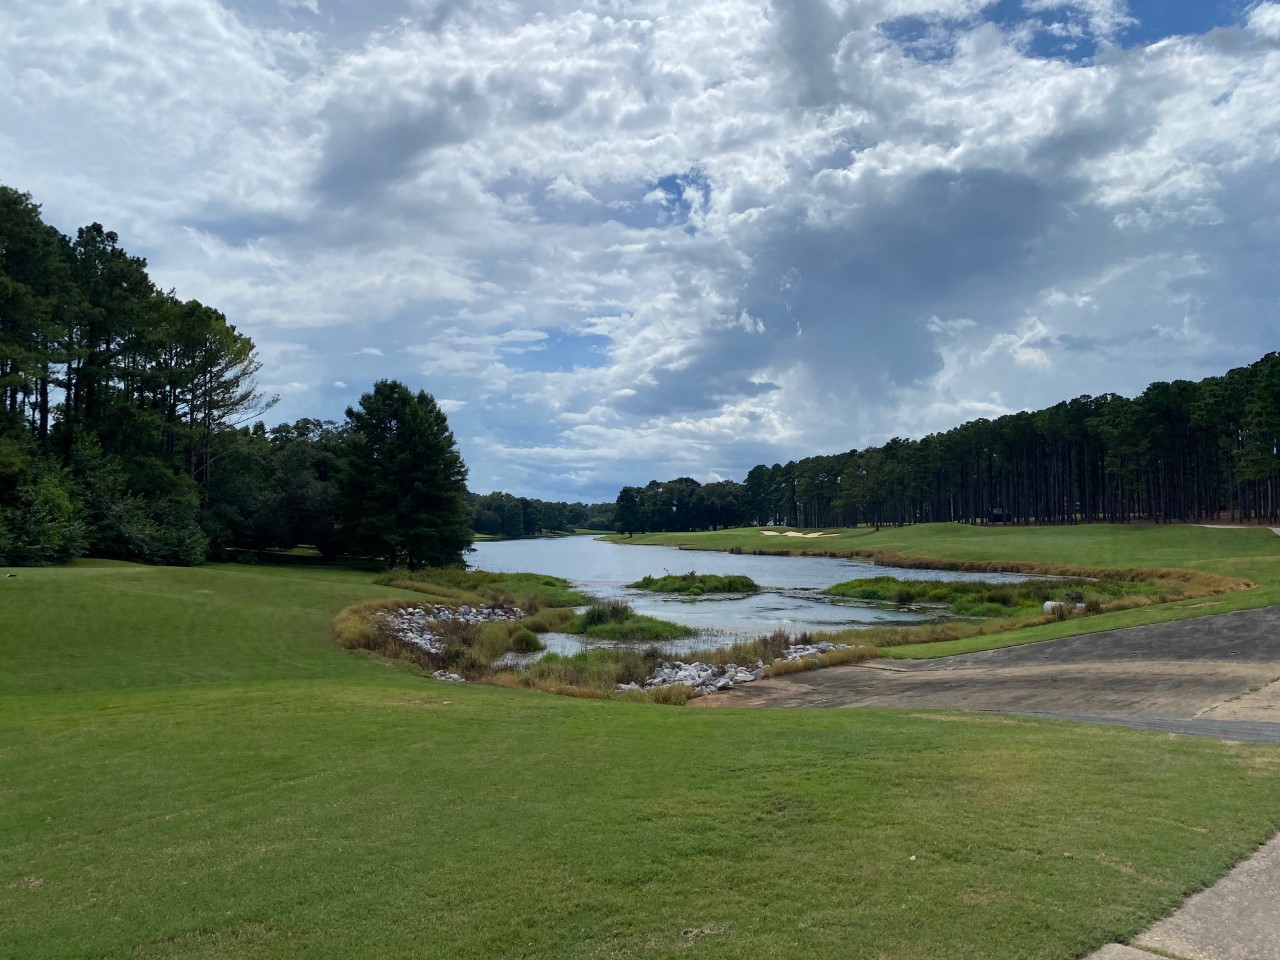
(628,239)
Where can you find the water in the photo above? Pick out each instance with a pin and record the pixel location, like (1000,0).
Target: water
(791,597)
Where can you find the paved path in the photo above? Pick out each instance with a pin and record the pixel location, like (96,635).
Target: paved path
(1214,676)
(1238,918)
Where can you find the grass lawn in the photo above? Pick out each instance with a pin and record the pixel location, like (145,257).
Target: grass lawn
(1252,553)
(192,770)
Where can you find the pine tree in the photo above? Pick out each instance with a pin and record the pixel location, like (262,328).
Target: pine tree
(404,485)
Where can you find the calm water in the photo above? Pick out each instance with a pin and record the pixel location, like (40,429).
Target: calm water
(791,597)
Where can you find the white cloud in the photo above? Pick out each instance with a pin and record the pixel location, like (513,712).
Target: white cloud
(683,240)
(1264,19)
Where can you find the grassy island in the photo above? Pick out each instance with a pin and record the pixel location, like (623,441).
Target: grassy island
(615,620)
(696,584)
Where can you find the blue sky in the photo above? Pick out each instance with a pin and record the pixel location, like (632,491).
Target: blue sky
(633,239)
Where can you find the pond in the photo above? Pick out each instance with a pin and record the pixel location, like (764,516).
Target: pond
(791,597)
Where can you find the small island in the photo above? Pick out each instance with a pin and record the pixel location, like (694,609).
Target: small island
(693,584)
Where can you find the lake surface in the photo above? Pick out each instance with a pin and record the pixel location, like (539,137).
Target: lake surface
(791,597)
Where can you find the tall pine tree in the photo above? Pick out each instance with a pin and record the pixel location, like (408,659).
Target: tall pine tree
(404,486)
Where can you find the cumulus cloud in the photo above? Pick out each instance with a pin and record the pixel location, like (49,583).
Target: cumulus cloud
(683,240)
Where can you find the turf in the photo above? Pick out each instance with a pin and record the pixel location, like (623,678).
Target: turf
(1252,553)
(192,770)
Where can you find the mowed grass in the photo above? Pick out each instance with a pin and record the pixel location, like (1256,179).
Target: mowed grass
(192,770)
(1251,553)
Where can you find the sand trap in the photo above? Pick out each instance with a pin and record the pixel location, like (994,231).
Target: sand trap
(1236,526)
(795,533)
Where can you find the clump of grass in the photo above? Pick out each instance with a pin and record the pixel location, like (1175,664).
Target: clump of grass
(548,621)
(765,648)
(602,668)
(601,612)
(615,620)
(693,584)
(359,627)
(525,641)
(832,658)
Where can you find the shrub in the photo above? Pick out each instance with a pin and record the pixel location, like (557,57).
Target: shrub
(601,612)
(46,525)
(525,641)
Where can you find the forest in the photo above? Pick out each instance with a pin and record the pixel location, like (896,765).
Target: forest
(123,428)
(505,515)
(131,428)
(1178,452)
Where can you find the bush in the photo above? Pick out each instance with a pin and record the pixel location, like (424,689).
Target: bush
(603,611)
(525,641)
(46,524)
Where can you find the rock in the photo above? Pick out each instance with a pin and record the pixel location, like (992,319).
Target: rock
(622,687)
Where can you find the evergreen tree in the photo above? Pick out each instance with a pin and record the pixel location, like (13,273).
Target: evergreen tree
(404,490)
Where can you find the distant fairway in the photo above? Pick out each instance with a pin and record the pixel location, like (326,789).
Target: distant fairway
(1251,553)
(192,770)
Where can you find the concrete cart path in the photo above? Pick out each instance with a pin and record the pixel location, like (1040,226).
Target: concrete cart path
(1238,918)
(1218,671)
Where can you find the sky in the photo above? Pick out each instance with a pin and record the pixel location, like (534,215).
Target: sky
(623,240)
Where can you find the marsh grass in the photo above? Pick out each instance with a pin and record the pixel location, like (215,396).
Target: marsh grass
(976,599)
(994,608)
(693,584)
(595,674)
(833,658)
(615,620)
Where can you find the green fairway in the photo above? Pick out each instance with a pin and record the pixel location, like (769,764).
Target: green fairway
(192,770)
(1252,553)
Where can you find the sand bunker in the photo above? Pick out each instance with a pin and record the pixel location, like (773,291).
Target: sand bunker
(795,533)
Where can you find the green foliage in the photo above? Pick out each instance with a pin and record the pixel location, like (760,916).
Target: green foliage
(140,512)
(45,523)
(525,640)
(696,584)
(615,620)
(504,515)
(403,484)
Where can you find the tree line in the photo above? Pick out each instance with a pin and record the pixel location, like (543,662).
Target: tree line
(501,514)
(123,413)
(1179,452)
